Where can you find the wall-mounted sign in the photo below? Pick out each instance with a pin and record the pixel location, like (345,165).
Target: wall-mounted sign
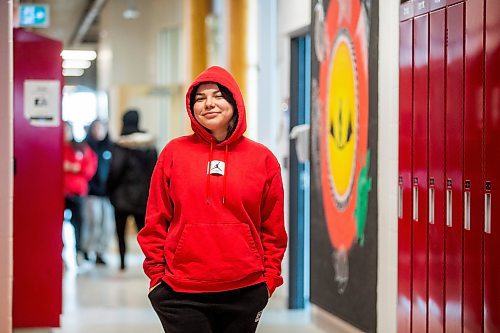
(31,15)
(42,102)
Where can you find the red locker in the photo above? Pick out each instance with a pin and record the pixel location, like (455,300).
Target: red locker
(492,170)
(38,191)
(473,201)
(405,171)
(454,168)
(437,70)
(420,161)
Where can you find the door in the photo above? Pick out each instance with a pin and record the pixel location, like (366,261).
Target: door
(437,65)
(38,190)
(454,167)
(473,202)
(420,161)
(492,169)
(300,78)
(405,172)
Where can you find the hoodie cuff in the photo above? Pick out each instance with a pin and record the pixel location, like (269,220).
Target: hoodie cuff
(272,283)
(154,281)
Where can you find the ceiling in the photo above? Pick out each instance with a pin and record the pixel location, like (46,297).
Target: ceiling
(74,22)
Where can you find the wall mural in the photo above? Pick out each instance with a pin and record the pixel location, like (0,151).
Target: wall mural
(344,136)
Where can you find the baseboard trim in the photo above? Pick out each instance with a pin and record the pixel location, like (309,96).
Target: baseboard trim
(330,323)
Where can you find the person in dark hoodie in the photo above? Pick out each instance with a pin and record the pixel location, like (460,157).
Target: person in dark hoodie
(214,237)
(99,225)
(134,157)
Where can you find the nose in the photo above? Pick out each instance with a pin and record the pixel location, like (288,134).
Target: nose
(210,102)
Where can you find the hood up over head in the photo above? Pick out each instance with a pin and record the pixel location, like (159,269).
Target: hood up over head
(222,77)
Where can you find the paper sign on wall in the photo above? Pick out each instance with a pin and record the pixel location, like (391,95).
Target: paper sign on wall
(42,102)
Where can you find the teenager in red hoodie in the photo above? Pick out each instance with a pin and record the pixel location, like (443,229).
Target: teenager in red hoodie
(214,237)
(80,165)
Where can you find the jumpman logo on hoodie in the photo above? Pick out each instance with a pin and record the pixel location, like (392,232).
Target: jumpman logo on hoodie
(217,167)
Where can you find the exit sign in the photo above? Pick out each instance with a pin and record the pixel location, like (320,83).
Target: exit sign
(34,15)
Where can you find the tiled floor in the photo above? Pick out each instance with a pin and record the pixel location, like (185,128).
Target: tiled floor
(105,300)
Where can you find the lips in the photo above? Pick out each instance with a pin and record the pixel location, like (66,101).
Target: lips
(210,114)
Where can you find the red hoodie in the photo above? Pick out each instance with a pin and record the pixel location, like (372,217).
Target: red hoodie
(208,233)
(76,183)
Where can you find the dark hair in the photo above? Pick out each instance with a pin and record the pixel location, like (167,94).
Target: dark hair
(228,96)
(130,122)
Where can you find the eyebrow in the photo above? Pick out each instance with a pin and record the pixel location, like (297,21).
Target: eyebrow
(203,94)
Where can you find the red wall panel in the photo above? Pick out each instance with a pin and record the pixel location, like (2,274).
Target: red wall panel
(473,170)
(454,167)
(420,162)
(492,168)
(437,62)
(405,176)
(38,194)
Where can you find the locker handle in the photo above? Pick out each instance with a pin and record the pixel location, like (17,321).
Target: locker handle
(415,202)
(467,210)
(487,213)
(448,208)
(431,205)
(400,201)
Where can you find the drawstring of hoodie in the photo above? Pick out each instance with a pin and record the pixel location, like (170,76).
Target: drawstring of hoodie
(207,186)
(224,176)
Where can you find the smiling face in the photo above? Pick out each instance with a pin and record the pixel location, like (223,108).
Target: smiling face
(212,110)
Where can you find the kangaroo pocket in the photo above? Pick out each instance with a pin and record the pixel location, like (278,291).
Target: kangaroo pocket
(216,253)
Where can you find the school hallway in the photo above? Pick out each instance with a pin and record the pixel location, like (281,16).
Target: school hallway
(103,299)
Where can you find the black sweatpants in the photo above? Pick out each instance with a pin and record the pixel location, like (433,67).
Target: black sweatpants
(234,311)
(75,205)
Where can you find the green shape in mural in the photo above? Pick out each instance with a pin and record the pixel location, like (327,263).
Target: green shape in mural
(364,187)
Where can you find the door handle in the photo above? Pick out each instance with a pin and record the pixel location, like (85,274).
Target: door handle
(400,201)
(467,210)
(415,202)
(487,213)
(448,207)
(431,205)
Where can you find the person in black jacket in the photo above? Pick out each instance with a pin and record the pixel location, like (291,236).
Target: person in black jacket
(134,158)
(99,223)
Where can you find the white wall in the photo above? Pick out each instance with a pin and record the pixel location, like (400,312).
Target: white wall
(6,200)
(268,75)
(388,82)
(129,47)
(293,15)
(129,56)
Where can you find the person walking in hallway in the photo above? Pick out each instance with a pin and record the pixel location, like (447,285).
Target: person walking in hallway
(99,225)
(214,237)
(134,157)
(80,164)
